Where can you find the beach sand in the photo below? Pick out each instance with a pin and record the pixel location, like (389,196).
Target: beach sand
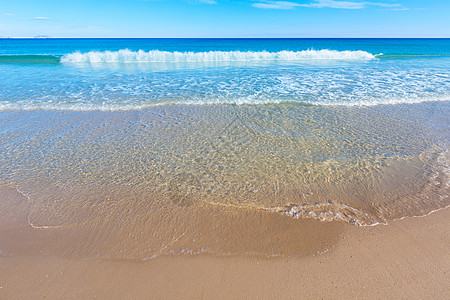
(199,172)
(225,202)
(407,258)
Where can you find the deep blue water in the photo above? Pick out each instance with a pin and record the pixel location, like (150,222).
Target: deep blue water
(111,74)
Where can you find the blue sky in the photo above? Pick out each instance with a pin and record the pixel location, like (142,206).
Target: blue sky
(225,18)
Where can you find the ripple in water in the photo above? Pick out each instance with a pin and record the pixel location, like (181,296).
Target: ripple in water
(151,176)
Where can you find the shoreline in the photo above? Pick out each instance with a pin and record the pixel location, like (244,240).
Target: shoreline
(101,192)
(354,163)
(225,169)
(407,258)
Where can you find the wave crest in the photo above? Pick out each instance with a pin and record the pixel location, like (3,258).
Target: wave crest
(157,56)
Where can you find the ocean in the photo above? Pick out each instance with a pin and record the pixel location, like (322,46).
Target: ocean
(125,74)
(150,147)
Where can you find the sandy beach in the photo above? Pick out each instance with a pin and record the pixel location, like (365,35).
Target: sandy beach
(407,258)
(105,205)
(225,168)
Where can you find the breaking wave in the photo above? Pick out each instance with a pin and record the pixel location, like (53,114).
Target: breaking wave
(156,56)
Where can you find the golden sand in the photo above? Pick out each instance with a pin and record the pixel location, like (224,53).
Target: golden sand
(406,259)
(276,201)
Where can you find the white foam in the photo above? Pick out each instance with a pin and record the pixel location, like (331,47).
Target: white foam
(83,106)
(156,56)
(327,212)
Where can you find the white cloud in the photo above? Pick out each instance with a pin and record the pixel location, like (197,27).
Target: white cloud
(41,18)
(336,4)
(276,5)
(207,1)
(321,4)
(345,4)
(8,14)
(396,9)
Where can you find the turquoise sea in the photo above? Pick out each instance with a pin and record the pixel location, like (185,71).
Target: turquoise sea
(134,148)
(118,74)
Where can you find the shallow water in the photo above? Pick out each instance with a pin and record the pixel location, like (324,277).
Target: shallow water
(218,146)
(169,167)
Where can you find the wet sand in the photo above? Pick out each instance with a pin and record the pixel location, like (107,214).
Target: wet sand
(225,202)
(407,258)
(208,229)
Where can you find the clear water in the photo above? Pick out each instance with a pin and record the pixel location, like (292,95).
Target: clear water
(124,74)
(134,148)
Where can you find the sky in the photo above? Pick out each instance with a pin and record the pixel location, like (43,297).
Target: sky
(225,18)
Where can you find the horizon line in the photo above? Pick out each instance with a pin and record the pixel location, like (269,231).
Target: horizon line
(378,37)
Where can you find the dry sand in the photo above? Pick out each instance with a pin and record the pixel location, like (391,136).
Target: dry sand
(406,259)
